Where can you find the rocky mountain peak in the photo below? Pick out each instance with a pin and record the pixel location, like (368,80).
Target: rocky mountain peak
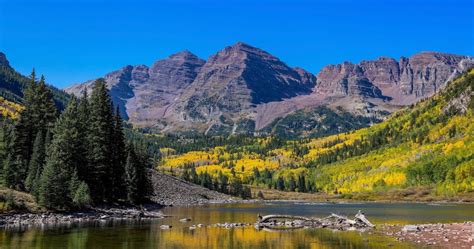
(242,87)
(4,60)
(184,55)
(402,82)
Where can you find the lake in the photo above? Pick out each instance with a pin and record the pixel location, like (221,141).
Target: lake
(147,234)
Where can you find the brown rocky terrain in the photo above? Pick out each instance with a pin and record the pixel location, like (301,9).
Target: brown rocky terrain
(143,93)
(170,190)
(243,89)
(450,235)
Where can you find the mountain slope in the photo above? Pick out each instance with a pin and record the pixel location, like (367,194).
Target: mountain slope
(429,145)
(143,93)
(230,84)
(13,83)
(420,152)
(245,90)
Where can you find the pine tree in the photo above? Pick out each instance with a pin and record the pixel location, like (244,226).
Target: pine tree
(79,192)
(83,125)
(61,160)
(39,115)
(301,183)
(82,197)
(292,184)
(132,177)
(9,171)
(280,184)
(36,164)
(46,113)
(54,186)
(100,142)
(118,158)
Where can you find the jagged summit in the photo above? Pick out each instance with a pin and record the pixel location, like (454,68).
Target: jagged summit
(4,60)
(244,86)
(185,54)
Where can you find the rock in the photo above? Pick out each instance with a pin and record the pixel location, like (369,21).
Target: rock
(4,60)
(185,220)
(411,228)
(170,190)
(164,227)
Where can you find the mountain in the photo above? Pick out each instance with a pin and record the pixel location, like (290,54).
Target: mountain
(12,85)
(422,152)
(230,84)
(243,89)
(401,82)
(143,93)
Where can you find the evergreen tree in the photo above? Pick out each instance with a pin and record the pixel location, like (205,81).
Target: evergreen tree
(82,197)
(118,158)
(61,161)
(291,184)
(236,187)
(301,183)
(132,177)
(84,146)
(36,164)
(9,171)
(100,135)
(39,115)
(79,192)
(280,184)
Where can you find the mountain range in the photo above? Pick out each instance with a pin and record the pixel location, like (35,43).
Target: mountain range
(244,89)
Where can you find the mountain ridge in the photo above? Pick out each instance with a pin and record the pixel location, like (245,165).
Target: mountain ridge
(244,84)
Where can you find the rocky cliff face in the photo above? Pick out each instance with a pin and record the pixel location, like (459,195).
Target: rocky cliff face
(399,82)
(242,89)
(238,78)
(143,93)
(3,60)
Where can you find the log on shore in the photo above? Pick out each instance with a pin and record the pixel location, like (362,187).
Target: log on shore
(333,221)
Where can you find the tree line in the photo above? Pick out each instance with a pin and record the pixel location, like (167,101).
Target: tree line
(75,158)
(220,183)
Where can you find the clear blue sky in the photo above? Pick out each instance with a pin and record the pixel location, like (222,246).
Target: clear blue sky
(74,40)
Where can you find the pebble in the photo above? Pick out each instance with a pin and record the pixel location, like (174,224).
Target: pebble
(165,227)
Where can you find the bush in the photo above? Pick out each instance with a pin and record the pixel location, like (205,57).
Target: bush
(82,197)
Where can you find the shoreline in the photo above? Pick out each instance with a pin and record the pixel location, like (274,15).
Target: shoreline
(153,211)
(46,218)
(444,235)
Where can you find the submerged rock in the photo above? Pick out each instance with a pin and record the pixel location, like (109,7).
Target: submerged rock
(411,228)
(185,220)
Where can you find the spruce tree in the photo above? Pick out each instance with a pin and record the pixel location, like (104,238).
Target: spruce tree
(118,158)
(61,161)
(100,135)
(39,115)
(36,164)
(132,178)
(9,171)
(79,192)
(84,146)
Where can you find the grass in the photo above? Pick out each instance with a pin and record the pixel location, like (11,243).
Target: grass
(16,201)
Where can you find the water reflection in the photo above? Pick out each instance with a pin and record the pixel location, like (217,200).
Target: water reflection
(148,234)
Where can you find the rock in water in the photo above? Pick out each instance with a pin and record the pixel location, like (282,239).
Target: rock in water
(164,227)
(411,228)
(185,220)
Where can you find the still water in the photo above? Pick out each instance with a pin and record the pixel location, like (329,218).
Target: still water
(149,235)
